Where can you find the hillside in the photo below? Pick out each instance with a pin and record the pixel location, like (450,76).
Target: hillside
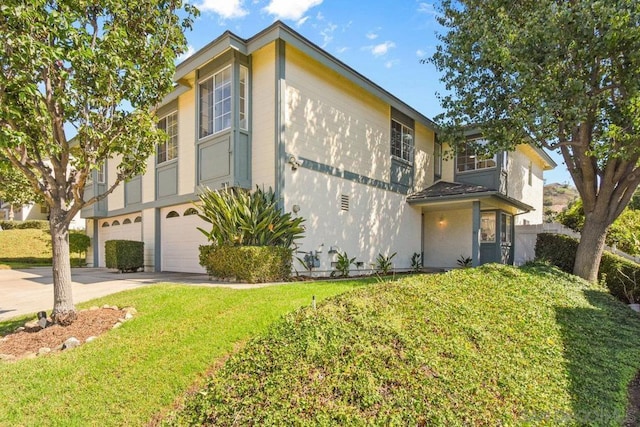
(489,346)
(28,246)
(558,196)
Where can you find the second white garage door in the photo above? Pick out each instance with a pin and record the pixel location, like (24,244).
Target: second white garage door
(181,239)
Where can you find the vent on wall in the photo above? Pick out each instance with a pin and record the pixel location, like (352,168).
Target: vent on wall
(344,202)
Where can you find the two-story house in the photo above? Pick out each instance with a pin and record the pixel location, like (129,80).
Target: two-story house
(361,166)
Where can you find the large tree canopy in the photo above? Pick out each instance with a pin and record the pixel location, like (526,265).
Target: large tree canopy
(14,187)
(92,71)
(565,74)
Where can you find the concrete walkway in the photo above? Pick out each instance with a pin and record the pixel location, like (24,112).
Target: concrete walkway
(31,290)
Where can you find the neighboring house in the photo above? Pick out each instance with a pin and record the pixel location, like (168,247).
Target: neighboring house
(362,167)
(34,211)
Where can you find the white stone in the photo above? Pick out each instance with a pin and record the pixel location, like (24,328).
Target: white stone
(94,308)
(70,343)
(44,350)
(130,310)
(91,338)
(128,316)
(117,325)
(32,324)
(7,357)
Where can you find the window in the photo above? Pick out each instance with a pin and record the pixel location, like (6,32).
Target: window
(168,150)
(244,99)
(437,160)
(215,103)
(401,141)
(488,227)
(467,159)
(505,232)
(101,174)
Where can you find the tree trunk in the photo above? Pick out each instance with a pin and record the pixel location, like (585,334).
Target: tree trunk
(64,312)
(590,249)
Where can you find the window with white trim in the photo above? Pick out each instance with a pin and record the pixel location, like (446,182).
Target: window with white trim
(467,158)
(244,98)
(402,141)
(168,150)
(215,103)
(101,176)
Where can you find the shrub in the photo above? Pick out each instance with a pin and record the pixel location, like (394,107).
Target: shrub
(618,274)
(343,265)
(79,243)
(240,218)
(252,264)
(125,255)
(384,264)
(22,225)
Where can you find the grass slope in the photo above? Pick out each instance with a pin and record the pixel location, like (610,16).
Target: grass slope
(488,346)
(28,246)
(128,375)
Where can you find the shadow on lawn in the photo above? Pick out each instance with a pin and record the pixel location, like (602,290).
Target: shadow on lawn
(602,352)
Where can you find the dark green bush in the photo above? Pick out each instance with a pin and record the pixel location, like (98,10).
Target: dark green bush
(252,264)
(22,225)
(79,242)
(125,255)
(557,249)
(618,274)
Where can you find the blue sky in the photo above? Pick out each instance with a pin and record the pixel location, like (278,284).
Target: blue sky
(382,39)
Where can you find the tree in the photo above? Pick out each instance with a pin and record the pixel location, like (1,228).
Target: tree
(562,74)
(14,187)
(89,70)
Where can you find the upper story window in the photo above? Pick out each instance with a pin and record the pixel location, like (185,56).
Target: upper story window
(168,150)
(437,160)
(468,160)
(244,98)
(215,103)
(402,141)
(101,175)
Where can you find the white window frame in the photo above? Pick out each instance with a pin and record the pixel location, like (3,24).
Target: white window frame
(488,225)
(169,148)
(402,141)
(244,98)
(473,162)
(219,105)
(101,173)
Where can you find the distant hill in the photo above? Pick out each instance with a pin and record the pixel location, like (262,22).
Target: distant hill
(558,196)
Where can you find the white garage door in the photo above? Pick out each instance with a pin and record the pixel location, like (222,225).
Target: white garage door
(119,228)
(181,239)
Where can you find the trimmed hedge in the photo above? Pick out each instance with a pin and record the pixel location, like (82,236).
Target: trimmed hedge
(125,255)
(37,224)
(618,274)
(252,264)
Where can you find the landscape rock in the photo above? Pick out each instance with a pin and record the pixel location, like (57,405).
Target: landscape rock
(7,357)
(29,355)
(91,338)
(43,350)
(33,324)
(117,325)
(106,306)
(20,329)
(94,307)
(70,343)
(130,310)
(128,316)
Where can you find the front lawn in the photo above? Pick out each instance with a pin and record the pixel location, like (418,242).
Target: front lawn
(132,373)
(482,347)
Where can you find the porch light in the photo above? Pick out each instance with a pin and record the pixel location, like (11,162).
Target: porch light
(441,220)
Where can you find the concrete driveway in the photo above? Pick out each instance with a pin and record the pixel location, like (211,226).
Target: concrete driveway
(31,290)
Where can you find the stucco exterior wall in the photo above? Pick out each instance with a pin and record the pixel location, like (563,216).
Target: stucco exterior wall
(332,121)
(263,117)
(447,236)
(424,159)
(377,221)
(186,142)
(518,185)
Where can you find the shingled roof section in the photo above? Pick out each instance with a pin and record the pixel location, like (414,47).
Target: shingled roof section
(448,189)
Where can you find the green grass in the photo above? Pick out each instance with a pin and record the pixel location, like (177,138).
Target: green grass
(26,247)
(130,374)
(488,346)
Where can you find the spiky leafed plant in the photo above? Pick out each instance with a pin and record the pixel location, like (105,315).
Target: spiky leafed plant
(240,218)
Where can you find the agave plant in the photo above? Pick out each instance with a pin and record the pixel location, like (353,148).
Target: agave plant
(241,218)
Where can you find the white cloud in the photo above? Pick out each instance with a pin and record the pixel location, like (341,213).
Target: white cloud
(427,8)
(342,49)
(420,53)
(301,22)
(371,35)
(190,51)
(327,33)
(227,9)
(290,9)
(381,49)
(391,63)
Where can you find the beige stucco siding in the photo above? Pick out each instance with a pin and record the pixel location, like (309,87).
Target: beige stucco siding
(448,235)
(377,221)
(116,199)
(332,121)
(263,116)
(448,163)
(518,185)
(186,142)
(424,159)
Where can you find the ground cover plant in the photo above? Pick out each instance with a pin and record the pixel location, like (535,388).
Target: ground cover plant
(489,346)
(130,374)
